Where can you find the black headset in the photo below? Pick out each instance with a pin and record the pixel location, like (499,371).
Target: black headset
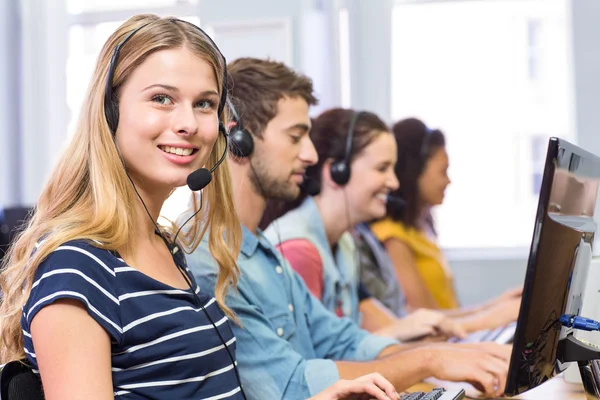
(111,102)
(340,170)
(241,143)
(111,112)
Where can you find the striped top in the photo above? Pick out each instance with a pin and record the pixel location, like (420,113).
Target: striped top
(162,344)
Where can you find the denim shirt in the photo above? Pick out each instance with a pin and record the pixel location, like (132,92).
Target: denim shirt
(287,340)
(340,270)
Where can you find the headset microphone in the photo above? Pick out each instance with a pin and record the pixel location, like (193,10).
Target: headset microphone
(310,186)
(396,201)
(199,179)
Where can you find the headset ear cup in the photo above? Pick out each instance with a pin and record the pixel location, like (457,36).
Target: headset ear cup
(340,172)
(241,143)
(111,112)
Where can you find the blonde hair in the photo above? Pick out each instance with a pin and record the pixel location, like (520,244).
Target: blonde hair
(89,196)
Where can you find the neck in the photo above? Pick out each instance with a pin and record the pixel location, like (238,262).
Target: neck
(153,200)
(249,205)
(335,218)
(423,214)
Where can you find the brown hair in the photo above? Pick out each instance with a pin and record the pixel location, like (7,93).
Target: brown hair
(257,86)
(416,144)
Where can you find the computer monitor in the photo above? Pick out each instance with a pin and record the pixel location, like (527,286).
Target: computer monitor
(559,260)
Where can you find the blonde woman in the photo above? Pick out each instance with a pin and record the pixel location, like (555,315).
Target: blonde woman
(93,298)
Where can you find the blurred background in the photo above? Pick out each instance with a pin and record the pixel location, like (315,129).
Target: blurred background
(498,77)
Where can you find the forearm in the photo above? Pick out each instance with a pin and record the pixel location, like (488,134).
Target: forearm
(403,369)
(398,348)
(376,318)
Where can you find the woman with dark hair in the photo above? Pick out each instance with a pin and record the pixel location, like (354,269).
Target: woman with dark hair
(409,236)
(355,174)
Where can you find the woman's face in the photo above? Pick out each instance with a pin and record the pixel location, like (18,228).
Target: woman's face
(434,180)
(168,120)
(372,179)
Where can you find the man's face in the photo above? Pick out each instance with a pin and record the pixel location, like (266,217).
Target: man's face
(281,157)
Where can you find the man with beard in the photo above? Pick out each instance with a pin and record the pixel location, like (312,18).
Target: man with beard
(289,346)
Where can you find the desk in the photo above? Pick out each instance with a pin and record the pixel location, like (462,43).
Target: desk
(554,389)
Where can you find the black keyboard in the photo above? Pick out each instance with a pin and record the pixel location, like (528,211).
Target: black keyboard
(436,394)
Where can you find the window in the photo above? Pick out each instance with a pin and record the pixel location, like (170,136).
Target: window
(87,6)
(539,146)
(466,68)
(534,48)
(344,46)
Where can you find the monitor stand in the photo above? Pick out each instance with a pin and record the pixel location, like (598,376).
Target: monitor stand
(587,356)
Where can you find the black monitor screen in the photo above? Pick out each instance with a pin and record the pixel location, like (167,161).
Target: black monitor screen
(559,259)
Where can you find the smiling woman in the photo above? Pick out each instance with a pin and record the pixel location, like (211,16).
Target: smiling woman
(93,299)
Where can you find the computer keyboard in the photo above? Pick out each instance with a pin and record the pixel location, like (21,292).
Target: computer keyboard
(436,394)
(501,335)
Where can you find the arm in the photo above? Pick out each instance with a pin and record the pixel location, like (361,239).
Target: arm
(73,353)
(359,353)
(376,317)
(70,319)
(306,261)
(484,368)
(419,324)
(405,264)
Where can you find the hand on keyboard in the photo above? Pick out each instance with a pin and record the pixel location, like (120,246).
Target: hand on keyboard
(483,369)
(373,386)
(435,394)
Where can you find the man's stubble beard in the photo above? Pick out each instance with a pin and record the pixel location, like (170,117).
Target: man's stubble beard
(267,186)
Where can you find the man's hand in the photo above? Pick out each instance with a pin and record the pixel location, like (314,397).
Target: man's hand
(483,369)
(372,386)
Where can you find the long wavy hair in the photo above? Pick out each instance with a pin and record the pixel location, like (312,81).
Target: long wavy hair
(89,196)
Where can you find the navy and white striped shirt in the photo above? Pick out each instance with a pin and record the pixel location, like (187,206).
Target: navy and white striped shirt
(162,344)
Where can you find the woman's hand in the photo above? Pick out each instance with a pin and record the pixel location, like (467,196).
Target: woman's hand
(492,317)
(372,386)
(507,296)
(424,322)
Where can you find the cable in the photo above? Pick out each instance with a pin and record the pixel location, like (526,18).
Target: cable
(188,280)
(581,323)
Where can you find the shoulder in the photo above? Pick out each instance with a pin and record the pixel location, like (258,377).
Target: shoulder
(81,255)
(82,271)
(301,254)
(388,229)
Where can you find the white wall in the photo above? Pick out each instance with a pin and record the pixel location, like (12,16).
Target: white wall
(9,102)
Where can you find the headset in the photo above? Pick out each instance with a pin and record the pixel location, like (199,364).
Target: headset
(424,152)
(340,170)
(111,102)
(197,180)
(241,143)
